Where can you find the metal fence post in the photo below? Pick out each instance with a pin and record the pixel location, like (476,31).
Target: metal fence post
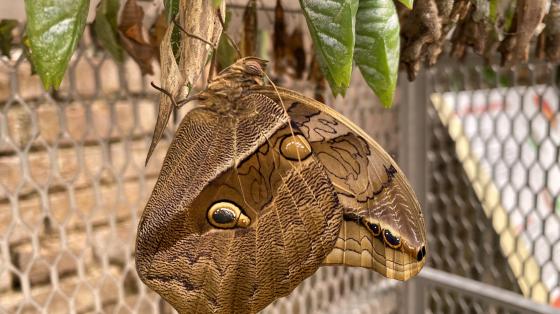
(414,297)
(413,137)
(413,148)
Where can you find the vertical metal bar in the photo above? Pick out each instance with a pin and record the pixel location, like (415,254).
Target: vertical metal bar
(413,151)
(413,136)
(414,297)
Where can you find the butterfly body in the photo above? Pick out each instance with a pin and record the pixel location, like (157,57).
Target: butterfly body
(259,188)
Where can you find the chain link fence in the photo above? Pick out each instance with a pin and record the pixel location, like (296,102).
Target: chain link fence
(479,143)
(73,185)
(493,182)
(72,182)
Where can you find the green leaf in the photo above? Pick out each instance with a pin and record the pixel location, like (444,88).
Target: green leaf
(407,3)
(171,11)
(6,37)
(332,24)
(378,46)
(508,15)
(493,15)
(226,53)
(217,3)
(105,26)
(25,46)
(54,28)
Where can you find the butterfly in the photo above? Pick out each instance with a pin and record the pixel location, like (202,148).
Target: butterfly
(259,188)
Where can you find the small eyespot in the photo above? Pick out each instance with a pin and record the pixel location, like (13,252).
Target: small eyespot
(421,254)
(295,147)
(374,228)
(392,240)
(372,225)
(227,215)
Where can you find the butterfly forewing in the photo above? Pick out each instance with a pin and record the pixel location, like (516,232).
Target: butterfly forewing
(293,210)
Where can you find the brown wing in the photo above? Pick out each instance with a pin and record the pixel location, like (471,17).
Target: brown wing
(384,227)
(295,216)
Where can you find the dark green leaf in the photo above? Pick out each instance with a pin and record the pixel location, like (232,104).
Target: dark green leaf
(105,26)
(509,13)
(110,10)
(25,46)
(332,24)
(490,76)
(493,11)
(226,54)
(377,46)
(6,37)
(407,3)
(54,28)
(171,11)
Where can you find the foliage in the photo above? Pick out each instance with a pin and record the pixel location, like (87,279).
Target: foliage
(377,47)
(332,27)
(105,26)
(54,28)
(171,11)
(6,36)
(367,33)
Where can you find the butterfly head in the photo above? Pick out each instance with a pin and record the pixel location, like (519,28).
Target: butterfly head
(226,89)
(244,72)
(250,66)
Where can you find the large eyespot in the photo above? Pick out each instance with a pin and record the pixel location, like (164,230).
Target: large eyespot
(391,240)
(227,215)
(295,147)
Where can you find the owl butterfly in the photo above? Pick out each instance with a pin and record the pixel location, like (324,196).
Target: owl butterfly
(259,188)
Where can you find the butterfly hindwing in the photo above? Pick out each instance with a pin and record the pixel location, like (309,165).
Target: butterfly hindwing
(372,189)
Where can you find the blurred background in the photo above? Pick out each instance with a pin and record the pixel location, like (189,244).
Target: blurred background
(479,143)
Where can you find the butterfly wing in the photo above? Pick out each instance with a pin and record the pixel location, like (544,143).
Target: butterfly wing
(383,226)
(241,160)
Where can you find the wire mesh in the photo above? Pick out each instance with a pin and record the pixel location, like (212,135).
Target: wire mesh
(494,184)
(445,301)
(72,181)
(73,184)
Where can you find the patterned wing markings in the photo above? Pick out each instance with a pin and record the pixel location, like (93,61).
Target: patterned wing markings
(295,218)
(369,185)
(344,202)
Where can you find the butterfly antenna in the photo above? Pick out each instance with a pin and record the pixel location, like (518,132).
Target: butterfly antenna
(281,102)
(179,103)
(166,93)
